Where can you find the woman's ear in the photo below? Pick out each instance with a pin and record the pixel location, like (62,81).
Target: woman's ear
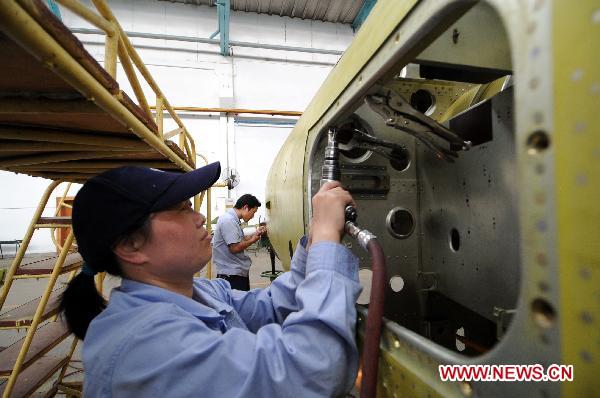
(130,250)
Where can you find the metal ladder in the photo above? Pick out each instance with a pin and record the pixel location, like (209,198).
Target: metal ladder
(28,363)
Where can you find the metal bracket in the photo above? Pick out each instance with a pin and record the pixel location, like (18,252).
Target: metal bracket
(502,316)
(432,277)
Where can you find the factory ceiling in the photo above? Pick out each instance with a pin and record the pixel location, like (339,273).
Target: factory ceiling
(342,11)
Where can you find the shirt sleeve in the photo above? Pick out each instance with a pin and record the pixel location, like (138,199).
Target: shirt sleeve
(229,230)
(312,353)
(273,304)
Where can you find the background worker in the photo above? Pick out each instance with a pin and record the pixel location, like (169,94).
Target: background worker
(165,333)
(229,243)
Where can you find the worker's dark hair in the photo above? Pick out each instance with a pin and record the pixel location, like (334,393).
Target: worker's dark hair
(81,301)
(247,200)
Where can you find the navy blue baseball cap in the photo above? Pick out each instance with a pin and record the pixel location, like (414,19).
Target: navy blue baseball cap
(118,201)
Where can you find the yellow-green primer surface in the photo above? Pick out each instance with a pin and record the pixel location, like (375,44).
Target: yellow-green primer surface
(577,146)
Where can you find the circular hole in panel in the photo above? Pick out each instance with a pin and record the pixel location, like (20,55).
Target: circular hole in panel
(538,142)
(401,159)
(454,240)
(365,276)
(460,346)
(400,223)
(596,16)
(396,283)
(466,388)
(543,313)
(344,136)
(356,155)
(544,393)
(423,101)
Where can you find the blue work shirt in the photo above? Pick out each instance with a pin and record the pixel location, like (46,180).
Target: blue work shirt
(295,338)
(229,231)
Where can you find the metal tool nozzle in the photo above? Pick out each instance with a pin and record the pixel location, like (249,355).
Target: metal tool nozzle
(331,172)
(331,166)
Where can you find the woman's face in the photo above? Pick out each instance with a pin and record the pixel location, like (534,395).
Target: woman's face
(179,243)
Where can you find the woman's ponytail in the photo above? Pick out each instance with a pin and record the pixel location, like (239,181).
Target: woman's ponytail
(81,303)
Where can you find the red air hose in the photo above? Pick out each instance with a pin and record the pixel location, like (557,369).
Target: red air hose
(368,388)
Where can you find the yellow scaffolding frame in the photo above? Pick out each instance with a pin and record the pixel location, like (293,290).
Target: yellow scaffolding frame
(24,29)
(37,222)
(57,155)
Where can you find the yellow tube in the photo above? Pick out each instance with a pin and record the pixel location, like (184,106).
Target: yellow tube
(37,317)
(26,239)
(19,25)
(88,15)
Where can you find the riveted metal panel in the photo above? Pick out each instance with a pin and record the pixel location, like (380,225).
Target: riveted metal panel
(532,191)
(576,143)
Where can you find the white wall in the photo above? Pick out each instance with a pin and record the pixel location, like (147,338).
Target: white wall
(255,149)
(18,202)
(195,74)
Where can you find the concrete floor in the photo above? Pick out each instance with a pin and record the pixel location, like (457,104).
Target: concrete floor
(27,289)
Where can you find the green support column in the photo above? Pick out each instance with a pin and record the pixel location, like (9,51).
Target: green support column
(54,8)
(223,9)
(363,13)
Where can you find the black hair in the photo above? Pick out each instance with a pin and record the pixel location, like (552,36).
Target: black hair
(81,302)
(247,200)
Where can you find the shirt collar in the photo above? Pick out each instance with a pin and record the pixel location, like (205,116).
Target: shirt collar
(217,305)
(210,309)
(235,216)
